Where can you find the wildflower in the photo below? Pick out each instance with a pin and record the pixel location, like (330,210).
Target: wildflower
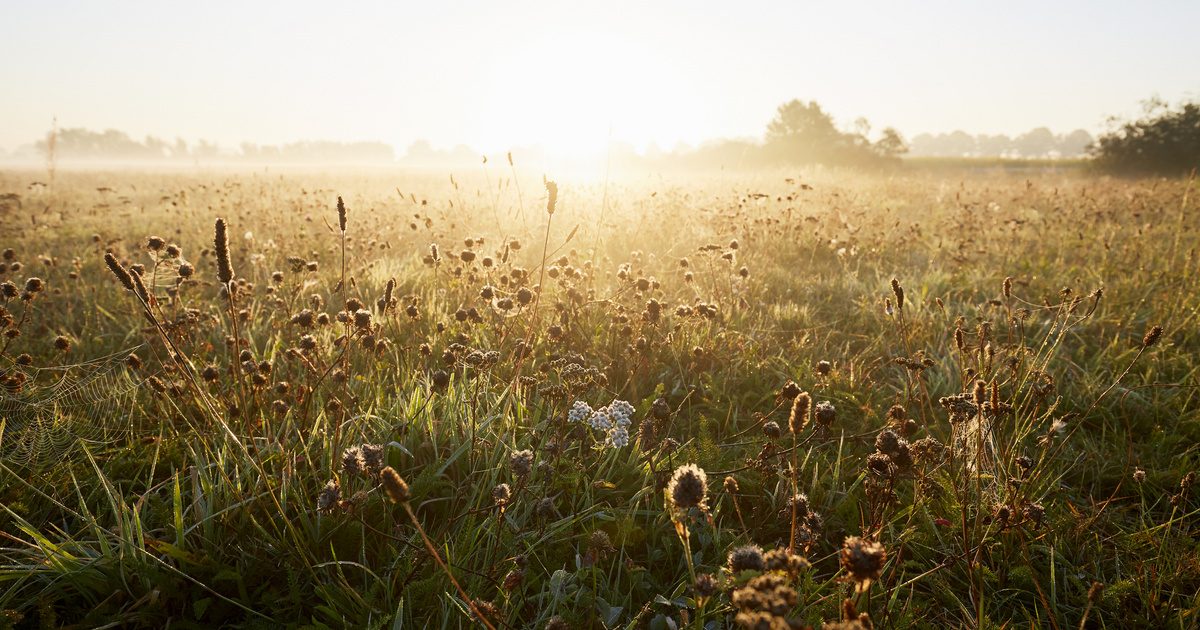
(825,413)
(521,463)
(329,496)
(688,488)
(746,558)
(863,560)
(502,494)
(619,437)
(600,420)
(353,462)
(705,586)
(785,561)
(621,412)
(373,457)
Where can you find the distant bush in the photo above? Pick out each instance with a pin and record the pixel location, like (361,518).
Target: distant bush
(1164,141)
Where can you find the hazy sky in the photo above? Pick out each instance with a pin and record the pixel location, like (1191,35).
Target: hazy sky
(500,73)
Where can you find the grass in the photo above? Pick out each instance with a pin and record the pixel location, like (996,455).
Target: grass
(999,453)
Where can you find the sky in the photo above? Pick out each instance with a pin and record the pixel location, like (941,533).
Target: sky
(571,76)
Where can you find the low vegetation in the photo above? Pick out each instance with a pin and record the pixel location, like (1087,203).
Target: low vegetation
(768,401)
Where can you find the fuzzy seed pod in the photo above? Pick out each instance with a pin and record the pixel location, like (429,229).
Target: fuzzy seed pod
(394,485)
(688,488)
(341,209)
(798,419)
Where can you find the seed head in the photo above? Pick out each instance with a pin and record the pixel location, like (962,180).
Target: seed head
(688,488)
(863,560)
(551,196)
(798,419)
(394,485)
(221,245)
(341,209)
(746,558)
(1152,336)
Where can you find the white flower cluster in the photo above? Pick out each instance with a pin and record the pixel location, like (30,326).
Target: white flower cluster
(613,420)
(579,412)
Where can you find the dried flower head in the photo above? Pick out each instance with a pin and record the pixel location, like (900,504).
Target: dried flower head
(863,560)
(688,488)
(394,485)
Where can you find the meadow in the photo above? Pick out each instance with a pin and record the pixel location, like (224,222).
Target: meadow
(809,398)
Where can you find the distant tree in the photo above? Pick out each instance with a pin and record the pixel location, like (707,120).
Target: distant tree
(1164,141)
(800,123)
(804,133)
(891,144)
(1075,143)
(1036,142)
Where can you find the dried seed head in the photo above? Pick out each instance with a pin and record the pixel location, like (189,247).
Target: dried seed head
(551,196)
(341,210)
(394,485)
(899,293)
(1152,336)
(798,419)
(746,558)
(119,271)
(688,488)
(521,463)
(353,461)
(863,560)
(221,245)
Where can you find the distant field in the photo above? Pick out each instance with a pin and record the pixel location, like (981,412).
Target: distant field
(950,396)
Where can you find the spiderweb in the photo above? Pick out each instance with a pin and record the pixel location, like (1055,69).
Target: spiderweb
(56,408)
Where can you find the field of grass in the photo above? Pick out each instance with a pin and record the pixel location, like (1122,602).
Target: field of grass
(920,400)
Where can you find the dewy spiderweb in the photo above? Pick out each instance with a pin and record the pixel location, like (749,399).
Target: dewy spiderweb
(58,407)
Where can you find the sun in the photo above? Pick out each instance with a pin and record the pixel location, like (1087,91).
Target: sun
(570,96)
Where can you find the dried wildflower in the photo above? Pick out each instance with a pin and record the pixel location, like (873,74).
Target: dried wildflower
(373,457)
(353,462)
(221,246)
(771,429)
(521,463)
(746,558)
(705,586)
(502,494)
(863,560)
(1139,475)
(898,291)
(551,197)
(798,418)
(785,561)
(329,496)
(117,269)
(824,367)
(764,602)
(513,579)
(688,488)
(394,485)
(825,414)
(341,210)
(1152,336)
